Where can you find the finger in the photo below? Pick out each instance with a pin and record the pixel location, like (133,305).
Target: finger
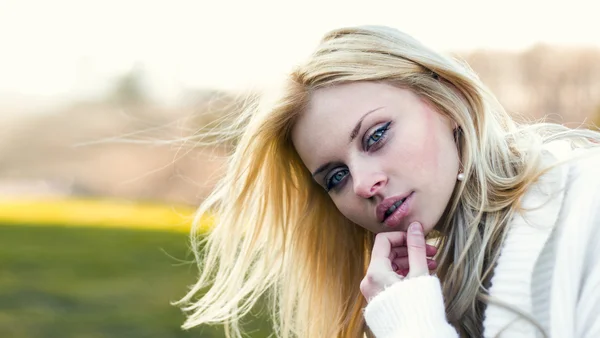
(430,250)
(381,272)
(400,264)
(384,241)
(402,251)
(399,252)
(417,258)
(404,272)
(403,264)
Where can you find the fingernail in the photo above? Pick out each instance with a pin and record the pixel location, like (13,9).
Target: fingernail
(415,228)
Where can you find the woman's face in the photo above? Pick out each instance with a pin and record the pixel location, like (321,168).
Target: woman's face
(385,156)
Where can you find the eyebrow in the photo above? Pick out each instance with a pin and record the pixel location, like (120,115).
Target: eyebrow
(356,129)
(353,135)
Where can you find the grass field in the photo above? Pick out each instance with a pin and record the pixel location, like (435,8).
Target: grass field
(105,213)
(95,282)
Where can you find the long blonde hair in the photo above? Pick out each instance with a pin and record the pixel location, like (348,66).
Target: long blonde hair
(278,236)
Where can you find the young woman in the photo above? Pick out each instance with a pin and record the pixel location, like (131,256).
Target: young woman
(376,146)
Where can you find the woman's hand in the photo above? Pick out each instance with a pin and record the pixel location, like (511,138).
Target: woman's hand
(397,255)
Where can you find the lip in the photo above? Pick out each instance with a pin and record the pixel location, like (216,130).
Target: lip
(398,215)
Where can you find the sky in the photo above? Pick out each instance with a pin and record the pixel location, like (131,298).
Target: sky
(54,51)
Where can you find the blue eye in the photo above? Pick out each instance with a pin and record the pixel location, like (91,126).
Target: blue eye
(377,135)
(331,181)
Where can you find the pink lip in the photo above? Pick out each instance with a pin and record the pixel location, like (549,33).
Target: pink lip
(397,214)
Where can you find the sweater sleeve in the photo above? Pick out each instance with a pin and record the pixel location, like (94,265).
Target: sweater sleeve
(575,296)
(588,308)
(411,308)
(587,313)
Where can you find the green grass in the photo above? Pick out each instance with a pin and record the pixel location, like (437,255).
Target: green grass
(95,282)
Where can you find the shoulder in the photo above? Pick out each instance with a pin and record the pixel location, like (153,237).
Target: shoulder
(581,206)
(580,166)
(586,164)
(574,253)
(583,179)
(568,191)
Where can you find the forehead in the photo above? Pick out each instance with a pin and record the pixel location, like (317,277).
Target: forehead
(323,130)
(348,100)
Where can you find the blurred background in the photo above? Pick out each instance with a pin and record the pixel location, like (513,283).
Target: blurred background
(100,172)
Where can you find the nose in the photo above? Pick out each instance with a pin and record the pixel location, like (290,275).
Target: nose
(367,183)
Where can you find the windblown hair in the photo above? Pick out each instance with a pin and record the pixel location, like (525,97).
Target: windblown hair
(278,236)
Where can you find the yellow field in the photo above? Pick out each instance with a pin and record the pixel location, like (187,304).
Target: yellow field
(103,213)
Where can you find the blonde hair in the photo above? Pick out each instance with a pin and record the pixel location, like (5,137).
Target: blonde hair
(278,235)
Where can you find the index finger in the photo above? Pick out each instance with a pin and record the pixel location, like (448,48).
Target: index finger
(417,258)
(385,241)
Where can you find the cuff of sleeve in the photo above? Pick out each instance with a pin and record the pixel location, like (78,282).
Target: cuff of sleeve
(410,308)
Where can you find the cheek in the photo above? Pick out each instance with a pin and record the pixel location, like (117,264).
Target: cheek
(439,158)
(425,150)
(350,207)
(429,155)
(344,205)
(429,151)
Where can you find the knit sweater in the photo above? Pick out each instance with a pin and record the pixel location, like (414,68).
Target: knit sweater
(548,268)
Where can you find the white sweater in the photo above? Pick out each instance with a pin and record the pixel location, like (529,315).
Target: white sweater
(549,267)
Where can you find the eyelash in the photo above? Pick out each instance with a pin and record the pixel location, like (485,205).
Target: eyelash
(328,184)
(383,130)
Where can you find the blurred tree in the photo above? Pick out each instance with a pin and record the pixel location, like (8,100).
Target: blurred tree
(595,118)
(129,88)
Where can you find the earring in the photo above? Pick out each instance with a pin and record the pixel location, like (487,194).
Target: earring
(461,176)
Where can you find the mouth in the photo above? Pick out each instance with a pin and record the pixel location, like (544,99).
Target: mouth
(393,209)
